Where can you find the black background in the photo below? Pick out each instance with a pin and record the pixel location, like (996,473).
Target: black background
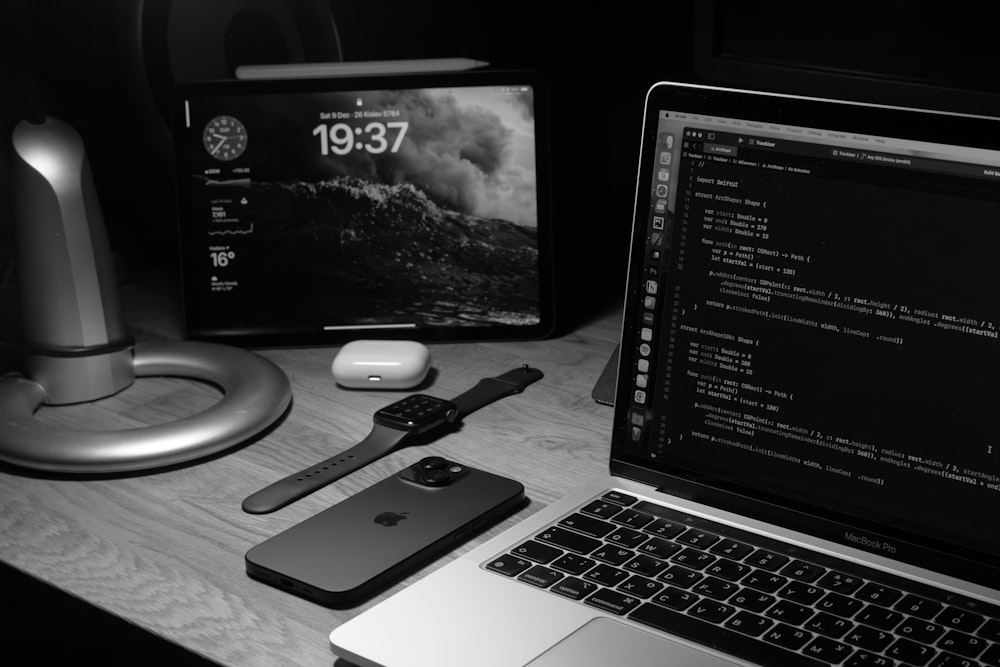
(599,59)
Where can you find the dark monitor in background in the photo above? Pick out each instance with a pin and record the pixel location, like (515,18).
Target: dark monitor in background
(906,53)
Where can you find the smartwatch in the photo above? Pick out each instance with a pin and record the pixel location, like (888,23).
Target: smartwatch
(395,426)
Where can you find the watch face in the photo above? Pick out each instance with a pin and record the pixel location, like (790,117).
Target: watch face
(225,138)
(417,413)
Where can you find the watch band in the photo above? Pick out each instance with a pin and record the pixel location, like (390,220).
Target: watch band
(380,441)
(488,390)
(376,444)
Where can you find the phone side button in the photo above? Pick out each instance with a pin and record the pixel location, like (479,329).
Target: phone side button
(468,531)
(509,565)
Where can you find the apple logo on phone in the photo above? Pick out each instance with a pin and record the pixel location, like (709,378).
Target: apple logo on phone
(390,518)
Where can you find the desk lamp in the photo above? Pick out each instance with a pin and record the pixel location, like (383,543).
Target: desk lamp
(76,346)
(75,343)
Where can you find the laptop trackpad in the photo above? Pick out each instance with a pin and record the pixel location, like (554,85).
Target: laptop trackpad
(603,642)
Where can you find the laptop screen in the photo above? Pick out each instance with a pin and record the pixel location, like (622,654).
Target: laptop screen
(811,317)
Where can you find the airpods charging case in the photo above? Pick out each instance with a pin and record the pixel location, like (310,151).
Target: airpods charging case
(381,364)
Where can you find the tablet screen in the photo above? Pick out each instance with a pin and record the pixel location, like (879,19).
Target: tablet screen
(320,211)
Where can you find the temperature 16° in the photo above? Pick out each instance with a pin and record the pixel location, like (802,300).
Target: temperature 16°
(222,257)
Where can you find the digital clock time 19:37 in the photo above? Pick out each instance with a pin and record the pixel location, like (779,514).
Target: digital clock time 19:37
(374,137)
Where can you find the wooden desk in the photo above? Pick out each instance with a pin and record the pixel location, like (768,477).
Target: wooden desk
(164,551)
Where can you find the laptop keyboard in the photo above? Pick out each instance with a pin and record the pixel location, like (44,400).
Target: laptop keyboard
(753,597)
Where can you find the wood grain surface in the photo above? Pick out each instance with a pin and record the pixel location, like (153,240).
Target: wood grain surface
(164,549)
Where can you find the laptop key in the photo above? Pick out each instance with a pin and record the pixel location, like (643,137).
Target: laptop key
(568,540)
(960,619)
(788,637)
(606,575)
(620,498)
(675,598)
(681,576)
(841,605)
(540,553)
(803,571)
(640,586)
(660,548)
(789,612)
(866,659)
(801,593)
(752,600)
(920,631)
(869,638)
(764,581)
(731,549)
(645,565)
(828,625)
(509,565)
(612,554)
(910,652)
(574,588)
(879,617)
(767,560)
(991,630)
(627,537)
(921,607)
(952,660)
(713,587)
(587,525)
(729,570)
(696,560)
(827,650)
(963,644)
(992,655)
(540,576)
(698,538)
(613,601)
(572,563)
(736,643)
(601,509)
(664,528)
(710,610)
(633,518)
(749,624)
(674,516)
(840,582)
(879,594)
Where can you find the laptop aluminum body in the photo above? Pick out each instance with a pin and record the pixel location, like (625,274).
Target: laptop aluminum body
(809,354)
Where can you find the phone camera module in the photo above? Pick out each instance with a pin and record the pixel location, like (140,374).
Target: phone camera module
(434,471)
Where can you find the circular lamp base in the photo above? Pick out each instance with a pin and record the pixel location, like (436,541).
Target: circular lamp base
(255,394)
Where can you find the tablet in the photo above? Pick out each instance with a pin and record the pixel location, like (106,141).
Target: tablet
(317,211)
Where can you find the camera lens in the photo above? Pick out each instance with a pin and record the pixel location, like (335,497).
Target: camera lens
(432,463)
(435,477)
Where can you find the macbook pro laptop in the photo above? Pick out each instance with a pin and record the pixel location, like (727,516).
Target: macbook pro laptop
(805,459)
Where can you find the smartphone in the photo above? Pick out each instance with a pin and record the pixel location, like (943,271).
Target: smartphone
(364,544)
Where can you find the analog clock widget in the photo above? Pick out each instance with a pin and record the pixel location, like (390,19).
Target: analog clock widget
(225,138)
